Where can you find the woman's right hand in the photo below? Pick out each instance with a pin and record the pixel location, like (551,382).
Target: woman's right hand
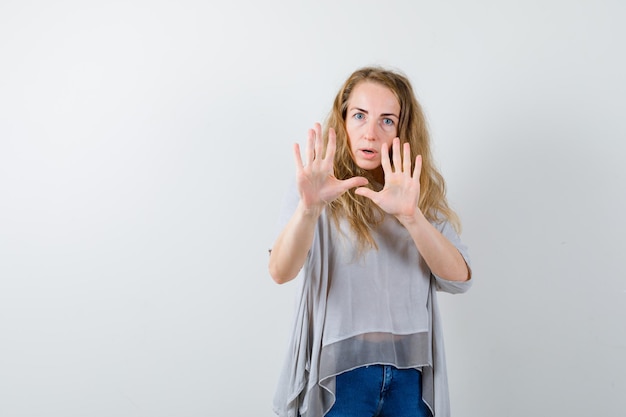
(315,177)
(317,186)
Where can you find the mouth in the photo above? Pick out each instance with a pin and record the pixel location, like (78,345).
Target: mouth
(368,153)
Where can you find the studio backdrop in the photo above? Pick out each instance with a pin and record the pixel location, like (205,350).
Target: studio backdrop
(145,147)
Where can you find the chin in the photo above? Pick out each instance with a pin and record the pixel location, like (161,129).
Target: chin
(369,166)
(373,170)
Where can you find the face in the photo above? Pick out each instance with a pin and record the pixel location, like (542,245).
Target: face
(371,119)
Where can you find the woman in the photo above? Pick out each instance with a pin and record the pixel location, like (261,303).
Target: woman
(372,233)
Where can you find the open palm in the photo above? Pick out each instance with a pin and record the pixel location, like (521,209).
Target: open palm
(315,177)
(400,195)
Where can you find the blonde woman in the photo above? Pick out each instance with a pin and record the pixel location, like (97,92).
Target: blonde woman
(372,237)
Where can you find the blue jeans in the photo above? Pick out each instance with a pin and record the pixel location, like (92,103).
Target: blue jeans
(379,391)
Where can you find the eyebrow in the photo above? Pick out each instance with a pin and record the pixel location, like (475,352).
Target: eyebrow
(366,112)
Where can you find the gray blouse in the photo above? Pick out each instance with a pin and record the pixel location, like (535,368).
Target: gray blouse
(354,310)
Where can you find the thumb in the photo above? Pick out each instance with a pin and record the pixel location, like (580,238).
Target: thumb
(365,192)
(354,182)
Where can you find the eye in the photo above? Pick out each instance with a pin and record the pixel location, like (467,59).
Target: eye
(359,116)
(387,121)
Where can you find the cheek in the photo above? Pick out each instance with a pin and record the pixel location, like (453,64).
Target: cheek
(387,131)
(349,135)
(351,147)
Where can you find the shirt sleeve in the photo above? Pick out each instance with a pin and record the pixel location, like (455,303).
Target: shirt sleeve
(288,207)
(453,287)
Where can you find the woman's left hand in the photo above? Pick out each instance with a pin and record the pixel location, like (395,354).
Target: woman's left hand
(400,195)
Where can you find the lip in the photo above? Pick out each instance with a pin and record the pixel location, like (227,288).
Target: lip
(368,153)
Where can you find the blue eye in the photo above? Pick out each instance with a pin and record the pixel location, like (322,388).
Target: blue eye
(388,122)
(359,116)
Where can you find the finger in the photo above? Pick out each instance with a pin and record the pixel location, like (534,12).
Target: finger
(384,158)
(297,157)
(366,192)
(340,187)
(406,159)
(418,168)
(319,143)
(331,147)
(353,182)
(310,143)
(397,158)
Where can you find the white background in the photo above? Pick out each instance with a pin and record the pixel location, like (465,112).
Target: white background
(145,148)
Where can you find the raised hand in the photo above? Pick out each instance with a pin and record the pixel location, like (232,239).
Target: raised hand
(400,195)
(315,177)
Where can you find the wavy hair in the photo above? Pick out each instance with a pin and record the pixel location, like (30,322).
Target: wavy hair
(360,212)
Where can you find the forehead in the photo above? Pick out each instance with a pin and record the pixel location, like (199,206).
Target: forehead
(373,95)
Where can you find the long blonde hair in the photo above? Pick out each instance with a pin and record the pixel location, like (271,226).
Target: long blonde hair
(360,212)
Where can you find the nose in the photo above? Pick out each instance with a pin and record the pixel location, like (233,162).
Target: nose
(370,130)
